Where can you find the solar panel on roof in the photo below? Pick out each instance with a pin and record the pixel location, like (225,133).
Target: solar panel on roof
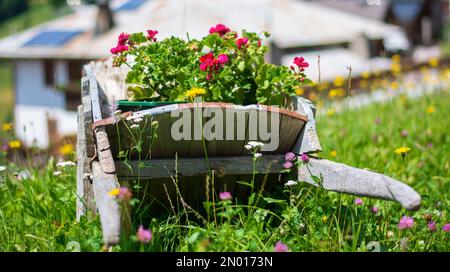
(52,38)
(130,5)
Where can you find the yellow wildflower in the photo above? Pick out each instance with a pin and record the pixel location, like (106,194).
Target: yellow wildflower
(299,91)
(330,112)
(313,97)
(365,75)
(410,85)
(396,68)
(429,79)
(431,110)
(324,219)
(7,127)
(333,153)
(396,58)
(394,85)
(16,144)
(339,81)
(402,150)
(336,93)
(446,73)
(114,192)
(66,149)
(364,84)
(323,86)
(319,104)
(195,92)
(433,62)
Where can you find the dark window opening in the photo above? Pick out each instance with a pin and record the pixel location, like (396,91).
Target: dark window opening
(49,71)
(72,90)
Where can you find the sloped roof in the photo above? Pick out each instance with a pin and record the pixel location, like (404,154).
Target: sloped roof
(292,24)
(376,10)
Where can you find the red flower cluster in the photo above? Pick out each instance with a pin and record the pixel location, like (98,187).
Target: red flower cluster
(301,63)
(219,29)
(241,42)
(121,44)
(151,35)
(212,65)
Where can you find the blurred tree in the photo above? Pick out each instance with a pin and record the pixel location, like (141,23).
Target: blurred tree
(58,3)
(10,8)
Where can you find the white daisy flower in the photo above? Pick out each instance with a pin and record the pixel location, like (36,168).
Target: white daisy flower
(65,164)
(134,126)
(57,173)
(290,183)
(255,144)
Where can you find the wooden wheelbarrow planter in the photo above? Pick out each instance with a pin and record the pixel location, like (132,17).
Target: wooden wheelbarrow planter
(99,170)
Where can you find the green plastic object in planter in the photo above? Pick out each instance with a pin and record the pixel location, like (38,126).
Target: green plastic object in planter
(126,105)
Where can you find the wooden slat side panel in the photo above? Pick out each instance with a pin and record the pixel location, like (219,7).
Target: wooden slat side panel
(159,168)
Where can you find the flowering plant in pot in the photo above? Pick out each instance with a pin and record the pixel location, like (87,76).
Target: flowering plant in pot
(222,66)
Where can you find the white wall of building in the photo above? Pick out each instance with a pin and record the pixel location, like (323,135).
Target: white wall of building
(36,102)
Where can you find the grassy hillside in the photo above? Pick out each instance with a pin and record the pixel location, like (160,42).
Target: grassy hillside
(38,210)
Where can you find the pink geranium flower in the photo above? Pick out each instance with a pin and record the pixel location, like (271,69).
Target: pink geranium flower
(151,35)
(222,58)
(211,65)
(280,247)
(143,235)
(225,196)
(300,62)
(119,49)
(123,39)
(219,29)
(406,222)
(241,42)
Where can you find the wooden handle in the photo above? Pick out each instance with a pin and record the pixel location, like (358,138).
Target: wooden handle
(107,206)
(342,178)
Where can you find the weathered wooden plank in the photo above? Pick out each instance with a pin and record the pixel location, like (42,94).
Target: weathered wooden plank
(103,148)
(307,141)
(103,151)
(346,179)
(85,198)
(160,168)
(93,92)
(87,125)
(108,207)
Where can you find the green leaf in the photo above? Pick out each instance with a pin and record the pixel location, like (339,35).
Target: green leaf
(138,38)
(241,66)
(273,200)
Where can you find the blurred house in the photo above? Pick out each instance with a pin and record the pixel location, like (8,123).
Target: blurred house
(422,20)
(48,58)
